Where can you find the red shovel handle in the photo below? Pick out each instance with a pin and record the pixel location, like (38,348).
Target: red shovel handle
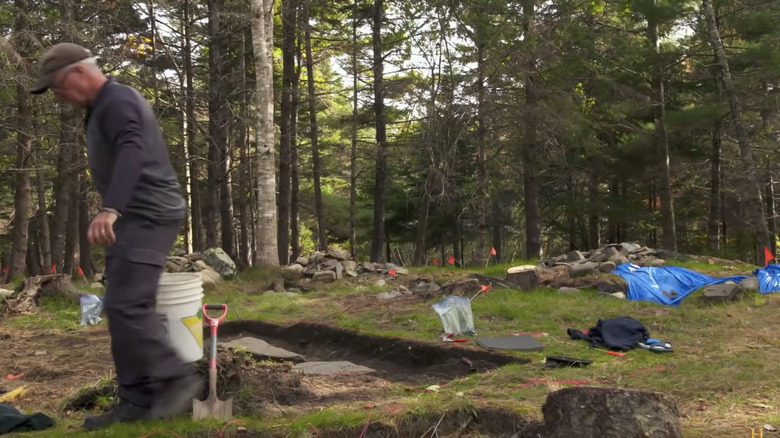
(212,321)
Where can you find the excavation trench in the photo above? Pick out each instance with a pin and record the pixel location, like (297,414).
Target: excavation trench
(394,359)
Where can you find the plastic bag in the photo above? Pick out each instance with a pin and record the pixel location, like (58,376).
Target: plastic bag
(456,316)
(91,306)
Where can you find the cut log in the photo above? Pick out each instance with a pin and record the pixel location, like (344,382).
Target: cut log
(463,288)
(28,295)
(591,412)
(496,283)
(526,276)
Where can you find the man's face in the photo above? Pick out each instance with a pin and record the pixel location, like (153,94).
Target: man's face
(70,86)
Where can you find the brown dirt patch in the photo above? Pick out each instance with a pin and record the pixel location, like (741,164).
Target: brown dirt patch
(55,364)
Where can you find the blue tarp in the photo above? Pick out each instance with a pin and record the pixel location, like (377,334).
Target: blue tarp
(768,279)
(650,283)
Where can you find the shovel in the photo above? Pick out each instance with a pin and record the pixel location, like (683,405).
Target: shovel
(213,407)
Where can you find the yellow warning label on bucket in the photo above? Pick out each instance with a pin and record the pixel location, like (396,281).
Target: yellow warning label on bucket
(195,324)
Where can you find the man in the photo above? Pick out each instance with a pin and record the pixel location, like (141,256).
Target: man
(142,211)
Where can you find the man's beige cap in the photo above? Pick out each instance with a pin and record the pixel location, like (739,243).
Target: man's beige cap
(58,56)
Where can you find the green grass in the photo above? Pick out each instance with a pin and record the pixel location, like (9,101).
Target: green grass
(723,373)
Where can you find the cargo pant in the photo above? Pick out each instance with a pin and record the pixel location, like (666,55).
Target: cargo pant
(143,357)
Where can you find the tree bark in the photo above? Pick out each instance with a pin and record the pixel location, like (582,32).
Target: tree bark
(664,188)
(44,236)
(753,192)
(322,237)
(533,237)
(266,254)
(378,235)
(21,219)
(72,235)
(482,195)
(353,149)
(193,164)
(594,227)
(295,227)
(713,222)
(85,251)
(21,189)
(219,113)
(289,9)
(244,181)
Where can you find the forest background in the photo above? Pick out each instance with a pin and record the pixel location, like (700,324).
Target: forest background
(414,132)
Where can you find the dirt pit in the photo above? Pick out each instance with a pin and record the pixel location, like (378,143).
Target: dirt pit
(397,360)
(259,386)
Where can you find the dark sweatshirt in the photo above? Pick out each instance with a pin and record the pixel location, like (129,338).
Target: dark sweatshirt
(128,158)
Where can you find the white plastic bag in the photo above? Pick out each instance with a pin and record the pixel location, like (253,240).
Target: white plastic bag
(91,306)
(456,316)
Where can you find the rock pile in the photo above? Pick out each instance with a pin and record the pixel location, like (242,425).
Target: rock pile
(606,258)
(334,264)
(213,265)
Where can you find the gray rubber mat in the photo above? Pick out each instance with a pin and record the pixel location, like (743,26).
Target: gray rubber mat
(521,342)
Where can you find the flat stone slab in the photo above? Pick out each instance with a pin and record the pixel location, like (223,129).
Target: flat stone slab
(337,367)
(722,292)
(263,350)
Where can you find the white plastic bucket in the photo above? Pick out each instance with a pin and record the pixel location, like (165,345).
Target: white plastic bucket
(180,301)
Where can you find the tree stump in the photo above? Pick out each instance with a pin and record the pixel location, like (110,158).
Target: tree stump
(526,276)
(592,412)
(27,296)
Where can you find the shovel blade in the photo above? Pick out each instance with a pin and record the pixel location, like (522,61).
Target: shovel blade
(212,408)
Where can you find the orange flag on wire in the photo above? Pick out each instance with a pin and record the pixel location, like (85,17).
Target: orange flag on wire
(767,256)
(53,269)
(80,271)
(492,251)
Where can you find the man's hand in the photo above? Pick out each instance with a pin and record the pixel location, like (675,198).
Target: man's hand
(101,230)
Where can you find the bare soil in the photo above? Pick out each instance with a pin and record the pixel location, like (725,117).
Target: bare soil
(68,372)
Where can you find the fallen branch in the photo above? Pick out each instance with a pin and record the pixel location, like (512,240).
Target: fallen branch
(27,296)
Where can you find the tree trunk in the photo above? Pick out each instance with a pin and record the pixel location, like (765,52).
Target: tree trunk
(244,183)
(44,236)
(594,227)
(378,235)
(422,227)
(72,236)
(295,227)
(288,72)
(23,146)
(353,150)
(322,238)
(664,188)
(62,189)
(33,262)
(217,122)
(85,251)
(497,223)
(753,192)
(713,222)
(266,254)
(193,164)
(482,195)
(533,237)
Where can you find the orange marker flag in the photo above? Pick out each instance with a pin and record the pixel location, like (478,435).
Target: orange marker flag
(80,271)
(53,269)
(493,251)
(768,256)
(451,260)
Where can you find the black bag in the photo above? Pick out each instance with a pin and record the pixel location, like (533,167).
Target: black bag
(621,333)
